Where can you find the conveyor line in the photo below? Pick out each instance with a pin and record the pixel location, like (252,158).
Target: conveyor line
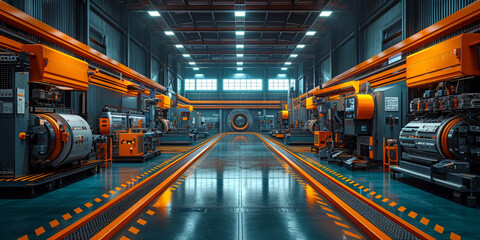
(377,222)
(104,221)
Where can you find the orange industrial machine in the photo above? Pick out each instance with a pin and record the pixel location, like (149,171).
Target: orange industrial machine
(282,124)
(442,143)
(130,144)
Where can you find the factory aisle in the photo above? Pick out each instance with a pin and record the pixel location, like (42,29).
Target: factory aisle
(240,190)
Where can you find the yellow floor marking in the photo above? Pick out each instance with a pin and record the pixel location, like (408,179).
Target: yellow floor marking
(393,204)
(385,200)
(360,187)
(333,216)
(24,237)
(351,234)
(352,182)
(118,189)
(356,184)
(454,236)
(378,196)
(181,180)
(124,238)
(317,197)
(402,209)
(88,204)
(54,223)
(133,230)
(128,182)
(112,192)
(424,221)
(372,193)
(326,209)
(149,171)
(174,186)
(438,229)
(142,175)
(173,189)
(322,203)
(39,231)
(150,212)
(178,182)
(134,180)
(77,210)
(145,173)
(67,216)
(138,177)
(97,200)
(344,178)
(105,196)
(412,214)
(347,180)
(366,190)
(341,224)
(141,221)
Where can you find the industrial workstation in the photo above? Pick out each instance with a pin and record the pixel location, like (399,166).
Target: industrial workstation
(239,119)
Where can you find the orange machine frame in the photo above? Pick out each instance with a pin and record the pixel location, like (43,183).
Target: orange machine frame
(240,128)
(129,144)
(454,58)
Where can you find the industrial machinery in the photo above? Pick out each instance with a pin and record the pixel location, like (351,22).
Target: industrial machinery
(441,144)
(266,123)
(43,137)
(132,140)
(200,126)
(282,124)
(239,120)
(180,131)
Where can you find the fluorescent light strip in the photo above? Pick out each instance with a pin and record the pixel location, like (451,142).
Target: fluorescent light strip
(154,13)
(325,13)
(240,14)
(169,33)
(310,33)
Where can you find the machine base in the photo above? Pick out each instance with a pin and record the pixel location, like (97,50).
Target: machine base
(296,139)
(174,139)
(42,182)
(143,158)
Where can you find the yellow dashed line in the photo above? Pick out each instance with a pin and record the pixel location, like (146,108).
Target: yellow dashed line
(402,209)
(39,231)
(77,210)
(97,200)
(24,237)
(141,222)
(385,200)
(112,192)
(360,187)
(118,189)
(341,224)
(412,214)
(378,196)
(67,216)
(133,230)
(326,209)
(54,223)
(438,229)
(372,193)
(393,204)
(173,189)
(351,234)
(454,236)
(105,196)
(333,216)
(124,238)
(88,204)
(424,221)
(366,190)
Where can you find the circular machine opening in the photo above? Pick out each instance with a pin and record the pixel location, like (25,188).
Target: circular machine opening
(240,121)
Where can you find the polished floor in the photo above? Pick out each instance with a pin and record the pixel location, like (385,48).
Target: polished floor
(240,190)
(237,190)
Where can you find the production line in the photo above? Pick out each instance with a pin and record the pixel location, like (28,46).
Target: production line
(214,120)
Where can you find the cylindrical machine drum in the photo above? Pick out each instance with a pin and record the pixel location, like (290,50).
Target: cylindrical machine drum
(312,125)
(165,125)
(239,120)
(442,138)
(59,139)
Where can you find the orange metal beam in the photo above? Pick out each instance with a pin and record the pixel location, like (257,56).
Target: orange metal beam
(10,44)
(21,20)
(457,20)
(237,106)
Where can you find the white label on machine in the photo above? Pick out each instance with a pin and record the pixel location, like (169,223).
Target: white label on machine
(20,101)
(391,104)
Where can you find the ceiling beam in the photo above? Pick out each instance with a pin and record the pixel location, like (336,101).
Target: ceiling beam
(247,29)
(231,8)
(234,53)
(233,43)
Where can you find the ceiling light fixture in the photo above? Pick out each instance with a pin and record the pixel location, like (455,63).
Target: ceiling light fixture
(294,55)
(240,63)
(179,46)
(154,13)
(169,33)
(186,55)
(196,69)
(239,54)
(240,46)
(239,13)
(239,33)
(288,63)
(191,63)
(282,75)
(284,69)
(325,13)
(310,33)
(300,45)
(240,69)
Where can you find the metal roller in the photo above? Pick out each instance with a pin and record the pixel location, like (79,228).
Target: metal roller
(239,120)
(434,139)
(58,139)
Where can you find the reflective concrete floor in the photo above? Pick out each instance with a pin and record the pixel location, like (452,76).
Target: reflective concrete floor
(240,190)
